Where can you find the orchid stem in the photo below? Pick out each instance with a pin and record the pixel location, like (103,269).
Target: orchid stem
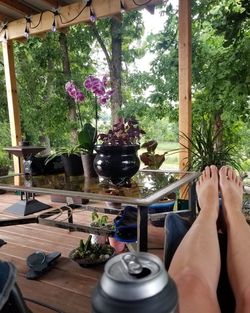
(79,114)
(96,118)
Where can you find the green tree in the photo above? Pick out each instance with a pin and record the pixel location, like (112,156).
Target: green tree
(221,61)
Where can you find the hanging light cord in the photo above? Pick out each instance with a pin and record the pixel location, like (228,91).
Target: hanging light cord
(74,18)
(56,12)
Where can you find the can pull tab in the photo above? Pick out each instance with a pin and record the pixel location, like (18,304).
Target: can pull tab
(132,264)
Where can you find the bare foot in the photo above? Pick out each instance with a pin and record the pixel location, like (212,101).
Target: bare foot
(232,191)
(208,191)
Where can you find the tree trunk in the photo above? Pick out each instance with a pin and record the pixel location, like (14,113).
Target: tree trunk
(114,63)
(67,74)
(116,72)
(218,125)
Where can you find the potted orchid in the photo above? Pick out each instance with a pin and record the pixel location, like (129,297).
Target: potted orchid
(88,133)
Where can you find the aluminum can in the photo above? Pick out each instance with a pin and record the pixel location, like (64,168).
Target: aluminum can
(133,283)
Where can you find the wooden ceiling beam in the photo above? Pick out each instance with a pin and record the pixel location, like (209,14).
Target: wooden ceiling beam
(16,7)
(130,5)
(68,13)
(53,3)
(5,18)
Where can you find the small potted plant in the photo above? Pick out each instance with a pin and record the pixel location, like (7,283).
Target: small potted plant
(88,253)
(71,159)
(117,158)
(103,222)
(100,222)
(154,160)
(100,94)
(150,158)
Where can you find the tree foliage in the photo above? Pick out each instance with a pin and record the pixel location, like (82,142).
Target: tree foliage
(221,62)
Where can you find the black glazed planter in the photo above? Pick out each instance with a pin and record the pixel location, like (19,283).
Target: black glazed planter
(117,163)
(72,165)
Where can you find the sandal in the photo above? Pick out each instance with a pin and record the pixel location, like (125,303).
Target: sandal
(40,263)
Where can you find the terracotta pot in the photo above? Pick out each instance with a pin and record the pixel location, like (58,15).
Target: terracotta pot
(98,239)
(117,245)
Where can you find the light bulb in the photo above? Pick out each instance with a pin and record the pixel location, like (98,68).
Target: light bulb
(26,32)
(5,37)
(92,16)
(54,26)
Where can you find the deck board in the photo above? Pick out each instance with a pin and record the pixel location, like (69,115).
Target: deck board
(67,286)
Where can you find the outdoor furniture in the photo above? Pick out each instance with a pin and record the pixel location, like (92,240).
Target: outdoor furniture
(22,152)
(28,204)
(147,187)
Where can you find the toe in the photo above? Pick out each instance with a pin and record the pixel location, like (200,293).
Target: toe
(223,173)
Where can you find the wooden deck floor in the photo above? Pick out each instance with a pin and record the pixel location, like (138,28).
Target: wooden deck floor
(67,286)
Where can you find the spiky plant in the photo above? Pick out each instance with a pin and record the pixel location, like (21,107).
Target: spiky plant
(207,147)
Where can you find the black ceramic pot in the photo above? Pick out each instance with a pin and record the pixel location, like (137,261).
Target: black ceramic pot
(72,165)
(117,163)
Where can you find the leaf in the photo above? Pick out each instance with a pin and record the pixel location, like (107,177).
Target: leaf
(87,137)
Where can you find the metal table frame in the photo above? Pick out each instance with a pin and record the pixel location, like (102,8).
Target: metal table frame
(141,203)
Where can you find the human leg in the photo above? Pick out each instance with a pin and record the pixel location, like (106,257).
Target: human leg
(238,232)
(196,264)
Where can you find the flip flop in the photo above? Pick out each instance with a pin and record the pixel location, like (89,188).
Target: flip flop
(2,242)
(40,263)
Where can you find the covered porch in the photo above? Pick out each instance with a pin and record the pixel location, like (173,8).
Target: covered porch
(67,286)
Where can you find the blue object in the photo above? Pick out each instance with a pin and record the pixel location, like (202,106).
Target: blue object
(126,225)
(160,207)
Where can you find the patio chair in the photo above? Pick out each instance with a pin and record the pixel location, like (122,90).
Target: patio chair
(175,229)
(11,299)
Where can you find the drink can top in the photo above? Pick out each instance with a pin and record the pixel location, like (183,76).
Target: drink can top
(134,276)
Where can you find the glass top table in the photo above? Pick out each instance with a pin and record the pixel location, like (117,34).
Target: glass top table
(147,187)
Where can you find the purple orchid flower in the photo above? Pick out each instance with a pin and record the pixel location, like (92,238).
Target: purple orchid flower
(74,92)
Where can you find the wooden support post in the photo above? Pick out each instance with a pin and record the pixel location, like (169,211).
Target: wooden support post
(185,76)
(13,105)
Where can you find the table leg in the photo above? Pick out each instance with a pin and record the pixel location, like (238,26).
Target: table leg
(192,201)
(27,206)
(142,229)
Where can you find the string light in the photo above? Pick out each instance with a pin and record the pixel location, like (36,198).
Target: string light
(5,37)
(122,5)
(27,27)
(56,13)
(87,3)
(92,15)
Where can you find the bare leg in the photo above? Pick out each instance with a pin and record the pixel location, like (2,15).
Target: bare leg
(238,255)
(196,264)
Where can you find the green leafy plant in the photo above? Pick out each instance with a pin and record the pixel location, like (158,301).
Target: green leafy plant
(87,138)
(92,252)
(150,158)
(67,151)
(207,148)
(5,163)
(100,221)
